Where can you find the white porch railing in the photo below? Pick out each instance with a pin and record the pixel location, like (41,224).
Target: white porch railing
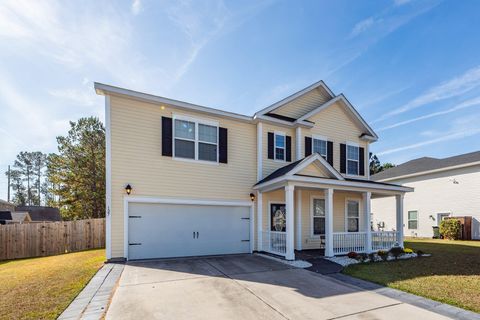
(345,242)
(275,242)
(384,240)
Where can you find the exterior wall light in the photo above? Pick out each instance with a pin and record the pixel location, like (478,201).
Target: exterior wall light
(128,189)
(252,196)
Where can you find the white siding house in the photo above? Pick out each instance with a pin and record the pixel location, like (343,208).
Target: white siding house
(443,188)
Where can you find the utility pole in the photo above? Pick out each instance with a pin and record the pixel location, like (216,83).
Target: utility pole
(8,187)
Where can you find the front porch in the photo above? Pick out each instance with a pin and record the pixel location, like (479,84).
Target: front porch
(299,212)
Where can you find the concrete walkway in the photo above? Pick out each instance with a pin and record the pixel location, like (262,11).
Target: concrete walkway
(93,301)
(246,287)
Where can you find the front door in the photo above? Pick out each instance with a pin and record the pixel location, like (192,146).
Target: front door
(318,222)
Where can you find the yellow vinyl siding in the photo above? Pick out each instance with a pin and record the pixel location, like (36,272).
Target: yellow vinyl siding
(336,124)
(137,159)
(313,170)
(304,104)
(270,165)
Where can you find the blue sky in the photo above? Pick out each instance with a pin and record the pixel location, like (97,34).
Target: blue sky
(412,68)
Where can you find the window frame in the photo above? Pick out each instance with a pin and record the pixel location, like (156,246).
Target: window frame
(409,220)
(197,140)
(347,217)
(322,139)
(347,159)
(279,133)
(312,216)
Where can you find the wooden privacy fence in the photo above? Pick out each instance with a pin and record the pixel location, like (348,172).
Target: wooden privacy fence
(50,238)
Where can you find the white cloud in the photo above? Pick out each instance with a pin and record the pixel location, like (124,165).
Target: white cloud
(466,104)
(449,89)
(136,7)
(200,24)
(362,26)
(461,128)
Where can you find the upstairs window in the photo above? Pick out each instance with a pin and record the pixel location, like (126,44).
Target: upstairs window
(280,146)
(319,145)
(353,155)
(195,140)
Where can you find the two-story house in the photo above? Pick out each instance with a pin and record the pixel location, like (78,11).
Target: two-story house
(188,180)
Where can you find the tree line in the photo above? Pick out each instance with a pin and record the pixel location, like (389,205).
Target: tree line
(376,166)
(73,179)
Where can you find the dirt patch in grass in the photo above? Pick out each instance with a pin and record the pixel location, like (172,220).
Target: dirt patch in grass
(451,275)
(41,288)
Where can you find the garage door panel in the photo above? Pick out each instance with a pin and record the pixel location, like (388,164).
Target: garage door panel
(171,230)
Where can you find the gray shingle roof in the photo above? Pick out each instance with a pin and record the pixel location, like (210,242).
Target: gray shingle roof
(426,164)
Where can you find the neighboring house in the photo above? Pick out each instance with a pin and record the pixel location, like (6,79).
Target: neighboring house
(6,206)
(443,188)
(294,176)
(7,217)
(41,213)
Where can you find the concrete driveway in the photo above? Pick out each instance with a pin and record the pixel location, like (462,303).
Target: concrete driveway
(245,287)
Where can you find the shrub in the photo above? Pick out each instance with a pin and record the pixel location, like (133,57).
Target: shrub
(407,250)
(352,255)
(396,251)
(371,256)
(362,257)
(450,229)
(383,254)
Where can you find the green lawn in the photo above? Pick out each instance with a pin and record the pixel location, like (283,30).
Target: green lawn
(41,288)
(451,275)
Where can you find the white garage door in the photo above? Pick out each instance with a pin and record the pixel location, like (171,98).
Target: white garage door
(178,230)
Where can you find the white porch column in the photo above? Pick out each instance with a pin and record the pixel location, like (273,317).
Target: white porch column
(259,221)
(329,222)
(367,211)
(399,200)
(290,251)
(298,219)
(298,144)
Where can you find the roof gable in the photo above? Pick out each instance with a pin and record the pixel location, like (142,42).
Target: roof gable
(313,96)
(356,118)
(321,168)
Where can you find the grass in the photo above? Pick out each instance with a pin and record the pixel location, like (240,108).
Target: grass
(451,275)
(41,288)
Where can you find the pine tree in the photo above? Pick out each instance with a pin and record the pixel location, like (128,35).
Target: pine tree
(77,172)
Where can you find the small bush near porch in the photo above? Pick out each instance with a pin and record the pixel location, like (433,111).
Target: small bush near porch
(451,275)
(41,288)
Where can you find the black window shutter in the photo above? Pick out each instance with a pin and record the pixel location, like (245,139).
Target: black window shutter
(270,145)
(308,146)
(288,147)
(167,130)
(330,152)
(361,160)
(222,145)
(343,158)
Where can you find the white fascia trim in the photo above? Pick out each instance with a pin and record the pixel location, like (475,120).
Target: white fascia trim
(104,89)
(201,202)
(332,182)
(357,115)
(276,121)
(470,164)
(140,199)
(312,158)
(294,96)
(108,180)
